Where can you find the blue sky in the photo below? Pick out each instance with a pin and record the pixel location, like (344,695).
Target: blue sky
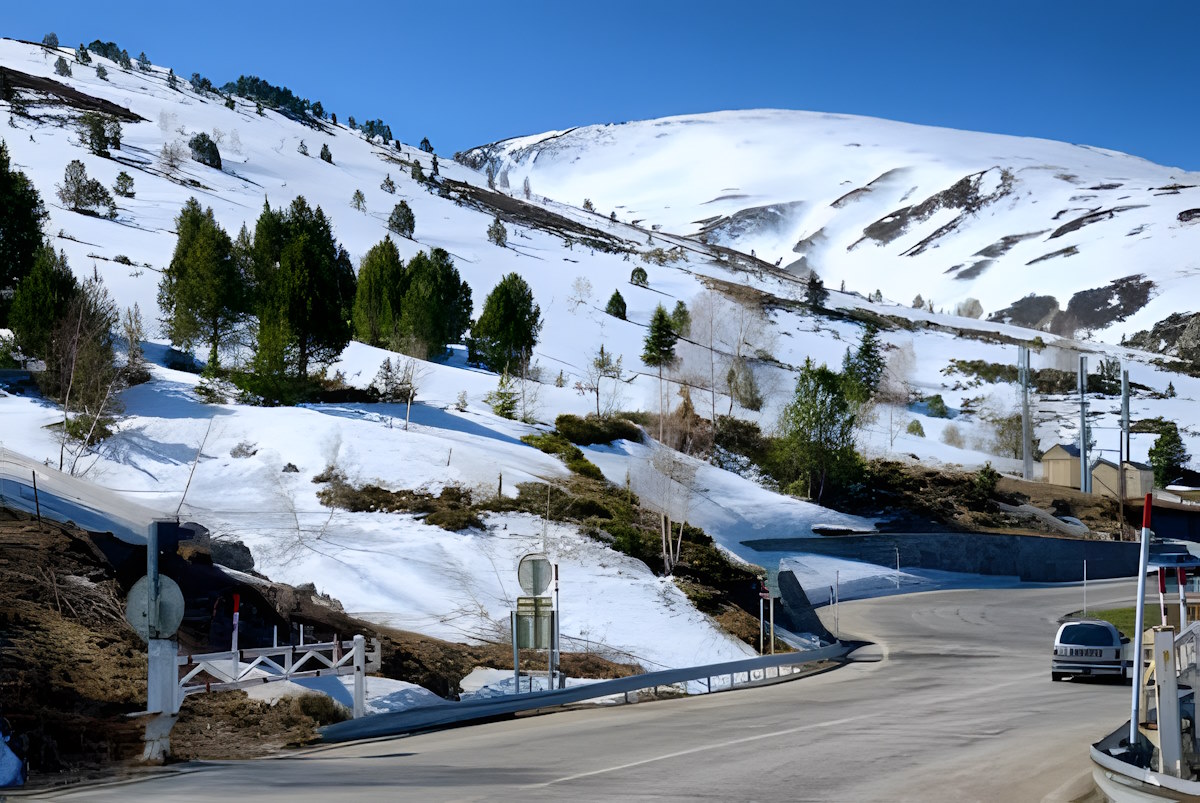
(1119,75)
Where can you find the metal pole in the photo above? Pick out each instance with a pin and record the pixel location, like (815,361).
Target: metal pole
(360,676)
(1139,624)
(1085,587)
(1123,450)
(1026,424)
(772,624)
(152,580)
(562,682)
(516,654)
(1084,472)
(37,505)
(1162,595)
(760,624)
(897,567)
(237,603)
(1181,578)
(837,592)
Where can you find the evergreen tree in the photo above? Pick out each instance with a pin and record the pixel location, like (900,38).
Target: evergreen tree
(425,146)
(143,62)
(82,55)
(202,294)
(1168,455)
(525,187)
(503,400)
(508,326)
(402,222)
(616,305)
(815,445)
(417,173)
(436,307)
(815,294)
(85,195)
(681,319)
(172,81)
(659,351)
(326,156)
(497,234)
(388,185)
(230,104)
(20,229)
(1170,392)
(862,369)
(123,185)
(638,277)
(123,61)
(101,73)
(136,371)
(358,201)
(50,40)
(61,67)
(381,283)
(41,299)
(307,288)
(99,132)
(302,149)
(918,302)
(318,110)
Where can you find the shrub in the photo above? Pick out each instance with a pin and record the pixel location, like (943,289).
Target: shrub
(590,430)
(61,67)
(952,436)
(82,194)
(302,149)
(915,428)
(936,406)
(639,277)
(588,206)
(326,156)
(101,73)
(388,185)
(229,104)
(555,444)
(50,40)
(205,151)
(402,221)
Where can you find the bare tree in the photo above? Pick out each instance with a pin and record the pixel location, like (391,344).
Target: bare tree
(601,366)
(895,387)
(581,293)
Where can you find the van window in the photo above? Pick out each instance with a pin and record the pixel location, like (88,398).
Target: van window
(1094,635)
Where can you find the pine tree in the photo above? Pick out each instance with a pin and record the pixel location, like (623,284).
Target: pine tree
(61,67)
(41,299)
(136,371)
(815,445)
(497,233)
(639,277)
(525,187)
(82,55)
(143,61)
(425,146)
(205,151)
(508,326)
(99,132)
(302,149)
(862,369)
(918,302)
(815,294)
(173,82)
(588,206)
(436,306)
(503,400)
(101,73)
(388,185)
(417,173)
(1170,393)
(1168,455)
(124,185)
(402,222)
(658,352)
(616,305)
(50,40)
(381,284)
(20,229)
(358,201)
(681,319)
(326,156)
(85,195)
(202,294)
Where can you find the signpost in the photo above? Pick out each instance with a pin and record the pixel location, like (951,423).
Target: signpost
(535,621)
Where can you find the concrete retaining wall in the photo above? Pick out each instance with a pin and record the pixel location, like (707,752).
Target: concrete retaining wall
(1032,558)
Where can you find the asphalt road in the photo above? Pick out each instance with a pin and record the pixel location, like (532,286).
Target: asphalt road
(960,708)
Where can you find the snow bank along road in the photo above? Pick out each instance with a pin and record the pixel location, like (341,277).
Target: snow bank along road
(960,708)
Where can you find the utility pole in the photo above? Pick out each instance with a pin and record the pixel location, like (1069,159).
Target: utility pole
(1123,449)
(1085,474)
(1026,424)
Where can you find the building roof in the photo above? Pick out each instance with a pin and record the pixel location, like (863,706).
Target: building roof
(1070,448)
(1130,463)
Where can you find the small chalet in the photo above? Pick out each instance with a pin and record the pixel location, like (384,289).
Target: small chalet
(1139,479)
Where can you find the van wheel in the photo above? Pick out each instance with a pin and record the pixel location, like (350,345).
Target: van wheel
(1057,676)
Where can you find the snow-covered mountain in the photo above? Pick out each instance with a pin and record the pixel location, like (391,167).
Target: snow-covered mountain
(900,208)
(460,585)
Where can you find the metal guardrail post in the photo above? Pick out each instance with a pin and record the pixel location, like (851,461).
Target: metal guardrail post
(360,678)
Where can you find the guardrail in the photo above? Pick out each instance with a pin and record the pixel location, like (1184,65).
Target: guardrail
(452,713)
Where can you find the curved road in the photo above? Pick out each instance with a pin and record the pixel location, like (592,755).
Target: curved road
(960,708)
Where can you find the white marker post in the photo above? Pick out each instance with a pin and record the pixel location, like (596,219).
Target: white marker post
(237,601)
(1139,624)
(1181,577)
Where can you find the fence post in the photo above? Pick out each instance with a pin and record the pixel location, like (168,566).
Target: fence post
(360,678)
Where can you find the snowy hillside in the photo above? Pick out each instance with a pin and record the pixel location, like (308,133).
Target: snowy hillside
(397,569)
(899,208)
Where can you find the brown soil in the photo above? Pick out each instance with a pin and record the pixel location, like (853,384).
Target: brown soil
(72,670)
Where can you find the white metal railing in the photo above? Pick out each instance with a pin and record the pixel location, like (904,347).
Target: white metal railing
(240,669)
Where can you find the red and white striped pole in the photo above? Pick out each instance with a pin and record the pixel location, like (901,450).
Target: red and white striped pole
(1181,578)
(237,604)
(1139,623)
